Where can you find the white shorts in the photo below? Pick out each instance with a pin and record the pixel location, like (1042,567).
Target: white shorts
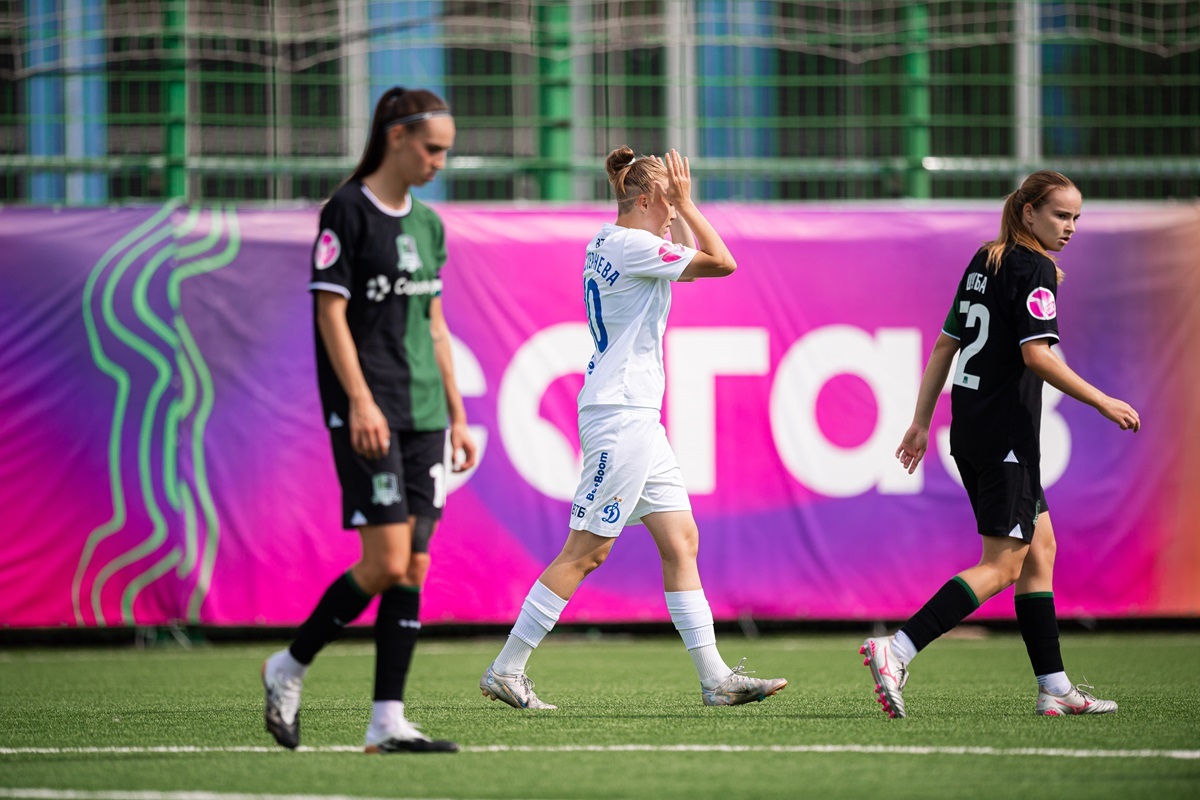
(629,470)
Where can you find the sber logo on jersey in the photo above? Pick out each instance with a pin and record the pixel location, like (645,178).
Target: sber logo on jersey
(329,248)
(1041,304)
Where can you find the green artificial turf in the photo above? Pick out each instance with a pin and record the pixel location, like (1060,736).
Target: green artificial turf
(630,723)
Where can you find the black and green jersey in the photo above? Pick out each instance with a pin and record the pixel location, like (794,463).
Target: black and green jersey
(996,400)
(387,264)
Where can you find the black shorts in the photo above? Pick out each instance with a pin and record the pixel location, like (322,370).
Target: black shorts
(1006,497)
(409,481)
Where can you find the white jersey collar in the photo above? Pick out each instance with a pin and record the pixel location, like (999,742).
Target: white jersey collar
(391,212)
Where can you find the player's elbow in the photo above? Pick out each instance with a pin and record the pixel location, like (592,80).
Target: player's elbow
(1037,355)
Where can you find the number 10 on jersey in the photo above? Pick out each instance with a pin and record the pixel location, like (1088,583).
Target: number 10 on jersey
(591,297)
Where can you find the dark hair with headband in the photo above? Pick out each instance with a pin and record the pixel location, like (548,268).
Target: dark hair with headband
(398,106)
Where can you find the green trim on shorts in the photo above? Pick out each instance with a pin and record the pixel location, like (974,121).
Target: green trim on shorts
(1033,596)
(407,588)
(966,588)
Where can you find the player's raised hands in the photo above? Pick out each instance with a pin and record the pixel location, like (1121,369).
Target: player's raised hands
(679,178)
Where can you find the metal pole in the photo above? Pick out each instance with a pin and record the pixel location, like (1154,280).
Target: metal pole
(356,94)
(1027,86)
(279,142)
(915,94)
(175,91)
(583,92)
(554,98)
(681,78)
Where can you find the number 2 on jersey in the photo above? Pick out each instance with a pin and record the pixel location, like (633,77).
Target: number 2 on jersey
(591,297)
(976,315)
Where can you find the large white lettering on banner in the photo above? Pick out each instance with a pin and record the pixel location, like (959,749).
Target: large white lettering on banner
(890,362)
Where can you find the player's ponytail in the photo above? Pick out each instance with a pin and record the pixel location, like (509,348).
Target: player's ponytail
(397,104)
(632,176)
(1035,191)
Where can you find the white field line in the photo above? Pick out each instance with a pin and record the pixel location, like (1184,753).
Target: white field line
(436,648)
(72,794)
(908,750)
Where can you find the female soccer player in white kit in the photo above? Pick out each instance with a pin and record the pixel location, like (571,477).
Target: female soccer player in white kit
(630,474)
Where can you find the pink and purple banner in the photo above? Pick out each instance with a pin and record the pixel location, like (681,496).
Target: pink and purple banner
(162,456)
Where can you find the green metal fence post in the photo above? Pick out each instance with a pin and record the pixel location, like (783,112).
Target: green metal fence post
(175,90)
(915,96)
(554,98)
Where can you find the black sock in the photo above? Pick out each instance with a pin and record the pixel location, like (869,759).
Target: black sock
(341,604)
(952,603)
(1039,629)
(396,628)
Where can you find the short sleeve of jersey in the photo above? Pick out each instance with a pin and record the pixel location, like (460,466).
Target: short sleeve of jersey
(951,326)
(1036,314)
(333,252)
(650,256)
(440,250)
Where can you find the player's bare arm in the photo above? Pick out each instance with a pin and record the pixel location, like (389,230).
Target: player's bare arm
(462,446)
(714,259)
(1043,361)
(369,432)
(916,439)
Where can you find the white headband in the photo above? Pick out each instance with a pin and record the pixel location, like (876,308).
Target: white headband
(420,117)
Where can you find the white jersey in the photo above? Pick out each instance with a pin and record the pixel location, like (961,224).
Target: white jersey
(627,291)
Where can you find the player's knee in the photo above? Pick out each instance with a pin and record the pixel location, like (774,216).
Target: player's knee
(1004,572)
(1008,572)
(374,578)
(386,570)
(591,561)
(680,550)
(1044,551)
(418,569)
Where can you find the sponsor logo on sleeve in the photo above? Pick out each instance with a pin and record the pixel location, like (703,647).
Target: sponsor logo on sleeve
(329,249)
(1041,304)
(669,252)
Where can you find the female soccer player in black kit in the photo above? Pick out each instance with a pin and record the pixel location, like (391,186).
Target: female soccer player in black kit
(391,405)
(1001,326)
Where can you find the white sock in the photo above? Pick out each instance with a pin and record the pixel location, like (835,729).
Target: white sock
(693,619)
(513,656)
(903,648)
(539,613)
(286,664)
(385,714)
(1055,682)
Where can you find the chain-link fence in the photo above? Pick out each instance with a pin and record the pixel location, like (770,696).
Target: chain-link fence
(108,101)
